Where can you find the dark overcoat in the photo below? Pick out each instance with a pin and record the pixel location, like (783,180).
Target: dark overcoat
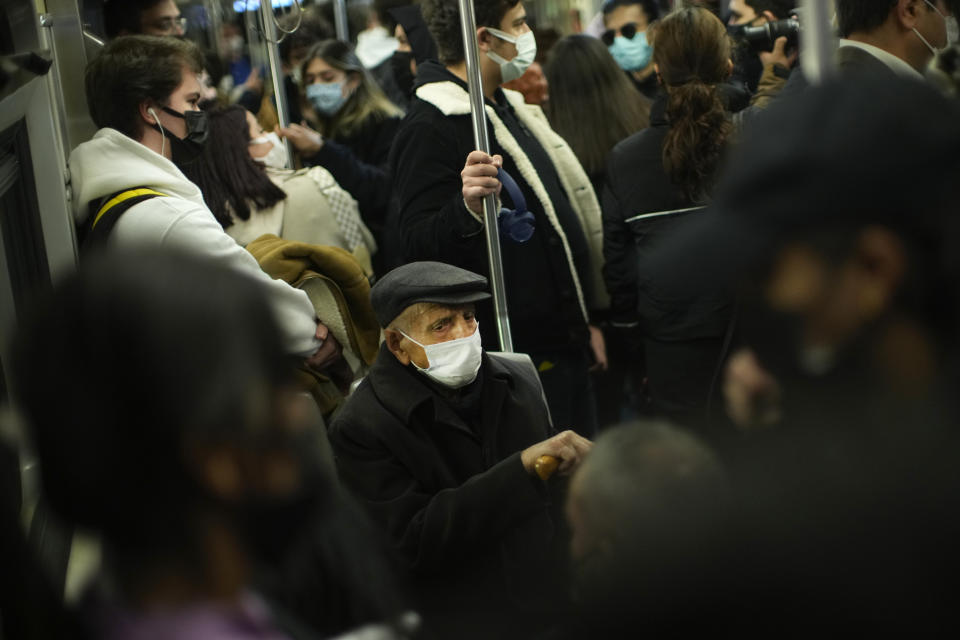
(474,528)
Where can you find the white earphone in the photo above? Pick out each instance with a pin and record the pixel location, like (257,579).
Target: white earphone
(156,121)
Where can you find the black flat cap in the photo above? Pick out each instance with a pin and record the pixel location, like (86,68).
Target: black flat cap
(435,282)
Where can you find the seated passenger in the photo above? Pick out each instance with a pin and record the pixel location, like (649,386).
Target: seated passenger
(143,93)
(353,127)
(440,443)
(181,442)
(653,178)
(250,200)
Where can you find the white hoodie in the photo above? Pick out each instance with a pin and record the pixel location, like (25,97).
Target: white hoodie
(112,162)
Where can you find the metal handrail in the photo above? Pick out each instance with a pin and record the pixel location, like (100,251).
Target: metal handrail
(481,138)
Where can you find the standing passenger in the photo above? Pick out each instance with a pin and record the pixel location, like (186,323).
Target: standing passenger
(594,106)
(354,126)
(552,280)
(143,93)
(671,167)
(628,36)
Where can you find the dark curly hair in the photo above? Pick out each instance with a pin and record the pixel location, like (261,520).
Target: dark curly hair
(443,22)
(692,53)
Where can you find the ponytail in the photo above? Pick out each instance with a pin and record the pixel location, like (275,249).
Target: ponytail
(692,53)
(693,147)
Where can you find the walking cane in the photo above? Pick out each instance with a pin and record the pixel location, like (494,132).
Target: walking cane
(468,24)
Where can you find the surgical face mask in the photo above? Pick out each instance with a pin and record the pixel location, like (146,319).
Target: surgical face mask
(453,363)
(946,27)
(184,151)
(297,75)
(526,44)
(326,98)
(632,54)
(277,156)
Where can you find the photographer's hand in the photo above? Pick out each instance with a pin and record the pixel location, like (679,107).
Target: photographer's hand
(779,54)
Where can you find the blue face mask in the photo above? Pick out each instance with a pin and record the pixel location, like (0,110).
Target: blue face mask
(326,98)
(633,54)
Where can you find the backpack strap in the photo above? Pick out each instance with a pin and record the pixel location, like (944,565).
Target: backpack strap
(108,210)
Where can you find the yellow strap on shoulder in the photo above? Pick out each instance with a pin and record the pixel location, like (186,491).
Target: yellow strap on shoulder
(120,197)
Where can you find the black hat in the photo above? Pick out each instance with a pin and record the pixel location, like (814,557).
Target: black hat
(850,153)
(435,282)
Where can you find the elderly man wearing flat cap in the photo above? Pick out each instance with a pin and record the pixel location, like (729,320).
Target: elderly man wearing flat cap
(439,444)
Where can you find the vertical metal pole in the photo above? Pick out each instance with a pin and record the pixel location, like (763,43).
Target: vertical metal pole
(468,23)
(340,20)
(276,72)
(818,46)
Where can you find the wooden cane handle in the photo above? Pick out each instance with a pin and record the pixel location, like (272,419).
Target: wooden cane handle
(545,466)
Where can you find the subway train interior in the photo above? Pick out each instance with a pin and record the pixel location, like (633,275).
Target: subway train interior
(712,246)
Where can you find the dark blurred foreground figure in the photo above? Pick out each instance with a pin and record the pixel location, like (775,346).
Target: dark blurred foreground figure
(849,320)
(181,443)
(646,492)
(439,443)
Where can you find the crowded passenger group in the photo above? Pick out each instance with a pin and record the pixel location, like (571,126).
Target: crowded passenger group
(286,408)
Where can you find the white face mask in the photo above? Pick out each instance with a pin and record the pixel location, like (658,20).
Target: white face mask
(277,156)
(946,26)
(526,44)
(453,363)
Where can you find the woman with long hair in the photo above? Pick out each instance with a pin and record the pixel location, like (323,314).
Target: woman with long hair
(250,199)
(656,180)
(593,105)
(352,126)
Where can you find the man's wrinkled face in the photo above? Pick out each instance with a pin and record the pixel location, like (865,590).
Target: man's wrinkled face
(432,324)
(162,19)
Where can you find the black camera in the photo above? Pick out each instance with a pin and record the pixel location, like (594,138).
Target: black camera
(763,37)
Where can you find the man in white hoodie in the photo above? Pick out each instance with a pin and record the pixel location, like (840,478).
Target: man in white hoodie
(142,91)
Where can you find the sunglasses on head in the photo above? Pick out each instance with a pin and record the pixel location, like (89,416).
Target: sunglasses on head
(627,31)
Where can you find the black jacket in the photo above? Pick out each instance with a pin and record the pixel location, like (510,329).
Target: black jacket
(426,161)
(450,490)
(359,163)
(682,327)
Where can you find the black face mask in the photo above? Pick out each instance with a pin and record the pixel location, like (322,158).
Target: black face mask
(401,71)
(185,151)
(277,527)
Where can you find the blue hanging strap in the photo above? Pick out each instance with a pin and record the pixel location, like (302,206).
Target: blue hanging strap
(515,224)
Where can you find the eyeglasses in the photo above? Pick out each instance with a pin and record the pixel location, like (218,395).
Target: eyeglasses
(627,31)
(169,25)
